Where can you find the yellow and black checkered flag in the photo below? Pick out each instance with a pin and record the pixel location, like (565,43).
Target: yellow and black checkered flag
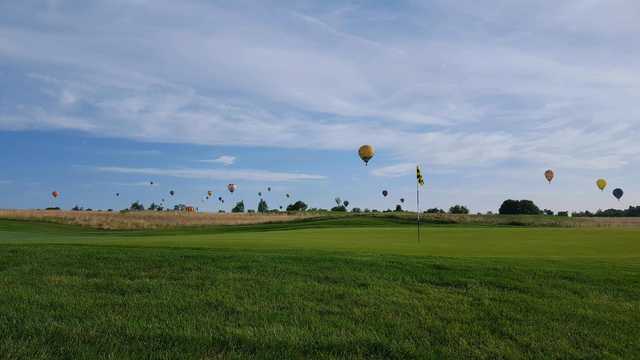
(419,176)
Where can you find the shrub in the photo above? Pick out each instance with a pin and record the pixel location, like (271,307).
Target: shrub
(434,211)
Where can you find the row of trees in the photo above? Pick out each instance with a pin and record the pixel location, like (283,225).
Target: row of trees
(508,207)
(632,211)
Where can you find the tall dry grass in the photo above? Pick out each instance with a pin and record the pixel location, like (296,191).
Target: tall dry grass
(521,220)
(139,220)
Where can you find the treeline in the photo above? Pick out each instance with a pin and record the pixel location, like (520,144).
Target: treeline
(632,211)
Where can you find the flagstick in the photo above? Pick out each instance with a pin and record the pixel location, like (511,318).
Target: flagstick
(418,205)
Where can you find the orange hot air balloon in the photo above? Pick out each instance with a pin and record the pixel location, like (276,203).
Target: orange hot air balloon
(55,194)
(366,152)
(210,193)
(549,175)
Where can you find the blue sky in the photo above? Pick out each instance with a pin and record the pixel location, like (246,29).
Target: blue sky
(101,97)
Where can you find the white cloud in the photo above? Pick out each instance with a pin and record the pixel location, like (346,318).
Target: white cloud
(225,160)
(397,170)
(480,85)
(212,174)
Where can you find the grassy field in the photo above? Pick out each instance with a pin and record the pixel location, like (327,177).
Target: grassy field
(352,287)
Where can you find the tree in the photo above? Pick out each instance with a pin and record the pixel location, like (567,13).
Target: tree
(458,209)
(180,207)
(356,210)
(519,207)
(297,206)
(262,206)
(239,207)
(137,206)
(339,208)
(155,207)
(399,208)
(548,212)
(563,213)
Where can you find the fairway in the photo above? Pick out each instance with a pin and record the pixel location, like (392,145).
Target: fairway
(319,289)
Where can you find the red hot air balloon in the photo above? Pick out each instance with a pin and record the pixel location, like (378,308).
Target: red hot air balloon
(549,175)
(55,194)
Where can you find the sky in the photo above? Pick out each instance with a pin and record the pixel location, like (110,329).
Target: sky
(102,97)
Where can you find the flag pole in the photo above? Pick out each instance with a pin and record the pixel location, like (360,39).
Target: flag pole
(418,206)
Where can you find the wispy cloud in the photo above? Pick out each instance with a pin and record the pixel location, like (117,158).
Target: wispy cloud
(397,170)
(247,175)
(225,160)
(475,87)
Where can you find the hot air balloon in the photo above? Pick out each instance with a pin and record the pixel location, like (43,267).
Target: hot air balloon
(220,198)
(288,196)
(366,152)
(207,197)
(172,192)
(259,193)
(117,194)
(601,183)
(402,200)
(385,193)
(345,203)
(55,194)
(232,187)
(280,207)
(549,175)
(618,193)
(209,193)
(150,182)
(269,189)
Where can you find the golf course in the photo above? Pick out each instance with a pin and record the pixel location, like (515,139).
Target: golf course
(322,288)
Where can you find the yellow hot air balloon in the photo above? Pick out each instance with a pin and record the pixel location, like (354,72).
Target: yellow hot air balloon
(549,175)
(366,152)
(602,183)
(210,193)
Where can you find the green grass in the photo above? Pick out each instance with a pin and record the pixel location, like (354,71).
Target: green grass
(331,288)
